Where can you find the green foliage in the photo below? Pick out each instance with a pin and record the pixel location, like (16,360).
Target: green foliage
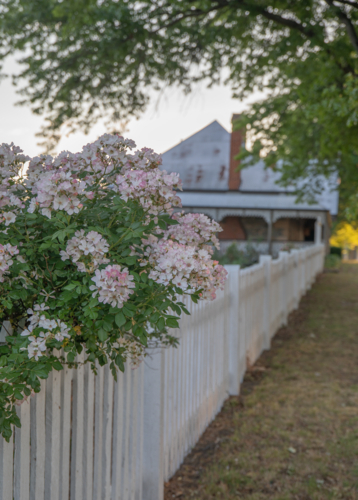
(243,258)
(332,261)
(85,59)
(54,308)
(95,327)
(336,251)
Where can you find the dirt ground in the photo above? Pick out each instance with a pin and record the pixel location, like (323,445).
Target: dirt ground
(292,434)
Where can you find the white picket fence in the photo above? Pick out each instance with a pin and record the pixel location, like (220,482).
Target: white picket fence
(86,437)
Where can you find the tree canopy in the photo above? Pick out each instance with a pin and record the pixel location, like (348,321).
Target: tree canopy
(85,59)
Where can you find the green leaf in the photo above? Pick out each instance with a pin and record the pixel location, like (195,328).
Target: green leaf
(119,362)
(71,286)
(93,302)
(161,324)
(128,326)
(142,337)
(27,391)
(57,365)
(102,335)
(40,373)
(172,323)
(18,395)
(144,277)
(130,260)
(128,312)
(71,357)
(154,318)
(120,319)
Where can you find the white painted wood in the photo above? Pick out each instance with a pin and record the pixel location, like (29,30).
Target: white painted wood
(127,397)
(153,466)
(6,468)
(53,436)
(266,261)
(22,454)
(107,433)
(38,444)
(78,430)
(66,396)
(98,435)
(88,432)
(137,479)
(118,425)
(123,439)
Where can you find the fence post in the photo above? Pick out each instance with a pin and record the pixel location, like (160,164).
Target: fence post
(266,261)
(234,331)
(153,428)
(296,277)
(321,257)
(284,257)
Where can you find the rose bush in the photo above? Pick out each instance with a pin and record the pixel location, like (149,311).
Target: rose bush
(92,257)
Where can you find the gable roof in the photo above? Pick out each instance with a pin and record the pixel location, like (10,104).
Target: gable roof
(202,160)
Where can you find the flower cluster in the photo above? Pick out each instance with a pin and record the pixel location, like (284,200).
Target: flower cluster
(11,163)
(154,189)
(52,217)
(134,350)
(36,347)
(184,266)
(195,230)
(6,253)
(8,218)
(11,160)
(87,251)
(57,191)
(45,329)
(113,285)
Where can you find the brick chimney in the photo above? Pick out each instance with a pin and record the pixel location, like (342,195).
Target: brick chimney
(237,139)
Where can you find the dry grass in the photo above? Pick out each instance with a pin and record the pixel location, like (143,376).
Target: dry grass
(292,434)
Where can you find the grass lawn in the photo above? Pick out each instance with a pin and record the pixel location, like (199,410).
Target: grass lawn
(292,434)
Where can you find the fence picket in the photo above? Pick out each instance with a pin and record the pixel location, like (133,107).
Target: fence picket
(107,433)
(78,409)
(66,394)
(90,438)
(53,436)
(118,425)
(98,434)
(6,469)
(22,454)
(38,444)
(88,432)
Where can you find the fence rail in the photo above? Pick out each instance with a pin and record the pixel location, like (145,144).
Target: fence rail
(86,437)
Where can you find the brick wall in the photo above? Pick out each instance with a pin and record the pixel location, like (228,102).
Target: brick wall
(232,229)
(237,139)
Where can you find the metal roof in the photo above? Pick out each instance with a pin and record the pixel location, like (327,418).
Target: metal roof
(235,199)
(203,162)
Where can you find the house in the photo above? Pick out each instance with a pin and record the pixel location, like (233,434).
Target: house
(249,204)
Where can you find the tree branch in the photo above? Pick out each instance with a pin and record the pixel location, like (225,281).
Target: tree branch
(283,21)
(254,9)
(347,22)
(292,24)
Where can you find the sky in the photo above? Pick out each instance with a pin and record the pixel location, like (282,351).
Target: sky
(165,122)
